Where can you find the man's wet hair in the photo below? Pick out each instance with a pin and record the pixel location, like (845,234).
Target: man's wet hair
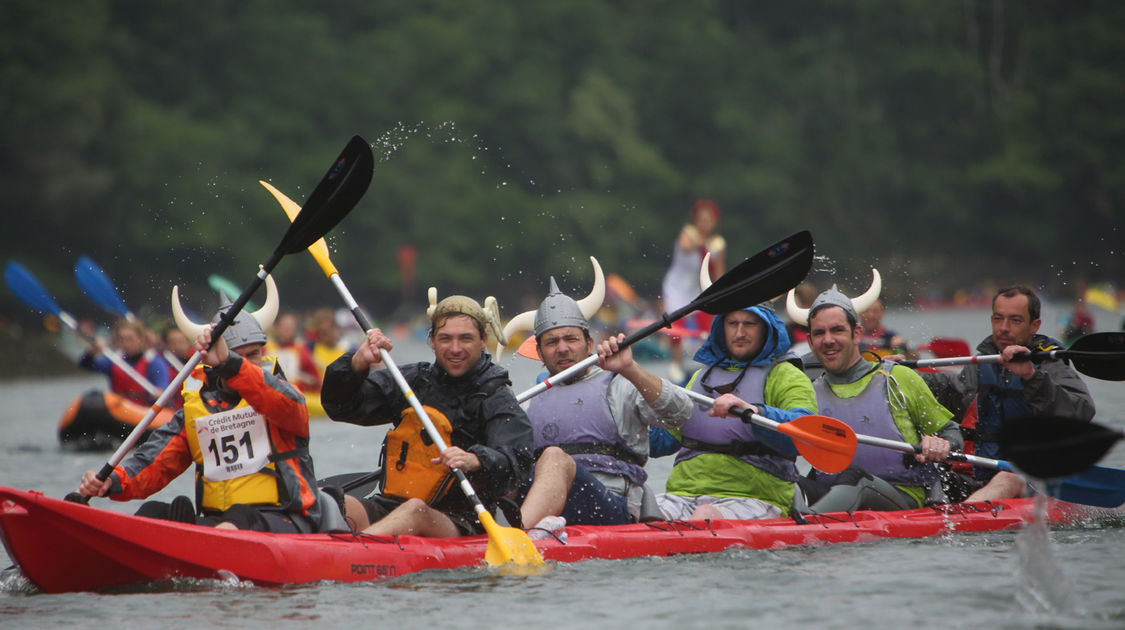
(1033,306)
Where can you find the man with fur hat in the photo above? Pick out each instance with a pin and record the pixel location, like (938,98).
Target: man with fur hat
(879,399)
(726,468)
(246,430)
(468,399)
(592,430)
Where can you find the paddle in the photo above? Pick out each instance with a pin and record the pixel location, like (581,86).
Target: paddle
(1098,355)
(826,443)
(98,287)
(506,545)
(1080,482)
(28,289)
(332,199)
(96,284)
(767,274)
(1047,446)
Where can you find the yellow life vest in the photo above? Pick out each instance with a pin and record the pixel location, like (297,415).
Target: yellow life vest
(253,488)
(408,451)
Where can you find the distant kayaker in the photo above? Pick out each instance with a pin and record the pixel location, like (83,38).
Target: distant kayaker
(681,282)
(468,399)
(592,430)
(879,399)
(726,468)
(130,338)
(245,429)
(878,338)
(293,354)
(1014,388)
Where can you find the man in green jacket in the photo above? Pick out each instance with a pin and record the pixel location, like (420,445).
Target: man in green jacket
(726,468)
(878,399)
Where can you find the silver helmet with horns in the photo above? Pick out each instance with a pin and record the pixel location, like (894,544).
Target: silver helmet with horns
(833,297)
(247,328)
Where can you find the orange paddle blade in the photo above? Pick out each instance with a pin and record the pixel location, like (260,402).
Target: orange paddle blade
(530,349)
(827,443)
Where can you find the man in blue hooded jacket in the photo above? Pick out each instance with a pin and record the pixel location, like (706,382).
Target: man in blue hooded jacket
(726,468)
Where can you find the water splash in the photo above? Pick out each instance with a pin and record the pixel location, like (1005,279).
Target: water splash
(1043,586)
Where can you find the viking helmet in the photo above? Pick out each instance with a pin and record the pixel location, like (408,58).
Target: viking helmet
(558,310)
(833,297)
(248,328)
(488,316)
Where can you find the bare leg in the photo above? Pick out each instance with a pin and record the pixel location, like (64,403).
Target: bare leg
(1004,485)
(554,472)
(355,513)
(415,518)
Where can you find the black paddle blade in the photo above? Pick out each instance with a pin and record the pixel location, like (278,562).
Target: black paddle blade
(333,198)
(1047,447)
(1110,366)
(764,276)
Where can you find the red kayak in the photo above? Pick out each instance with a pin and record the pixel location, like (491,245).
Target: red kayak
(62,546)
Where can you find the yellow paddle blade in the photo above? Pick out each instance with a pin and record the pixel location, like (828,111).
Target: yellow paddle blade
(508,545)
(319,249)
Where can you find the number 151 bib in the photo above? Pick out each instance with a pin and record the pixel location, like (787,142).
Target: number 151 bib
(234,443)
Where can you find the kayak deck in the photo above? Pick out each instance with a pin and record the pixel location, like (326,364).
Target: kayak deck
(62,546)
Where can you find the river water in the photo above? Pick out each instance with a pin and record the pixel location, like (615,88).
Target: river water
(1068,577)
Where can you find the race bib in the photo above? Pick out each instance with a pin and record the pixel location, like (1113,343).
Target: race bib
(234,443)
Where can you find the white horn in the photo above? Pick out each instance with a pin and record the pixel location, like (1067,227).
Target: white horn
(188,327)
(432,295)
(864,302)
(590,304)
(524,322)
(800,316)
(268,312)
(705,273)
(492,309)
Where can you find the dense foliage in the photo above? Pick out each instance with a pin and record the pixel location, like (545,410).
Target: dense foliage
(947,142)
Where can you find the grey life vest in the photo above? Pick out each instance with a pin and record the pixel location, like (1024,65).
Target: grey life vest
(576,418)
(731,436)
(869,413)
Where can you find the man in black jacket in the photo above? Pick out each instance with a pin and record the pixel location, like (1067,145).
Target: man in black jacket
(468,399)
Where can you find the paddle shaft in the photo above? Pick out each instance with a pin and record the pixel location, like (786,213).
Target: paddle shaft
(914,449)
(1037,356)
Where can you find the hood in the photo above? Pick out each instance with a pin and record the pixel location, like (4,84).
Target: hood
(714,351)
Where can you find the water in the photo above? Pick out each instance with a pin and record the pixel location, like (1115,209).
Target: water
(1063,578)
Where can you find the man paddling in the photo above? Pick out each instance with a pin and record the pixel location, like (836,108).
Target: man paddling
(245,429)
(599,417)
(726,468)
(130,338)
(880,399)
(1014,388)
(468,399)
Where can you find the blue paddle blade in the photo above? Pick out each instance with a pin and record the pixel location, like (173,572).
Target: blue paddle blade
(96,284)
(1098,486)
(28,289)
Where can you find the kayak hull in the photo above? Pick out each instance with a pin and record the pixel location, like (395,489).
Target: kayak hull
(62,546)
(100,420)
